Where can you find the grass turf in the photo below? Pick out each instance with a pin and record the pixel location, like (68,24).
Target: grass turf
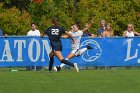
(86,81)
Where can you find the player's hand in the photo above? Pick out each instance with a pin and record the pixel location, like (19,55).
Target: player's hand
(42,35)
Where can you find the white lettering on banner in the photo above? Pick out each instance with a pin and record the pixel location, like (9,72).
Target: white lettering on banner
(30,50)
(19,45)
(47,48)
(7,53)
(128,56)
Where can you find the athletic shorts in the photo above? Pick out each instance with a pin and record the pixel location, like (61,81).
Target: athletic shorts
(56,45)
(76,52)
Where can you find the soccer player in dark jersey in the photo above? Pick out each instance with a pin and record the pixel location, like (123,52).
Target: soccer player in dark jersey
(54,33)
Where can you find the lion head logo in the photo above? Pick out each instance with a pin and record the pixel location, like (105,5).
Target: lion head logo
(92,54)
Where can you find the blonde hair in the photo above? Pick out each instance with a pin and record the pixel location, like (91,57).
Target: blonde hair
(107,33)
(109,24)
(132,27)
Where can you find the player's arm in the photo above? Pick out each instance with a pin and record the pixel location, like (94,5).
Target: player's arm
(42,35)
(67,33)
(89,25)
(64,36)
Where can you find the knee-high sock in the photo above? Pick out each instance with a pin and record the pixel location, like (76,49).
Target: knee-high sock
(62,64)
(81,51)
(67,62)
(51,63)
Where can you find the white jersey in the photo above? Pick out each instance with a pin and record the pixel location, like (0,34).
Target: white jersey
(129,34)
(33,33)
(77,37)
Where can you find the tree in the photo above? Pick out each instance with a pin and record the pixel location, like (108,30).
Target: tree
(117,12)
(20,4)
(15,22)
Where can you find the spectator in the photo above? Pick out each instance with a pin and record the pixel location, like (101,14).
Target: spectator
(33,32)
(2,33)
(101,29)
(130,32)
(108,31)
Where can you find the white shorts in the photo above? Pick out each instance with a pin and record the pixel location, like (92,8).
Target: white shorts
(76,52)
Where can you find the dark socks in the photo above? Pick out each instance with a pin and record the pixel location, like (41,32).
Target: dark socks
(51,63)
(67,62)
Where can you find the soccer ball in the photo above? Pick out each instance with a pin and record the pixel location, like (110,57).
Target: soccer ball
(55,69)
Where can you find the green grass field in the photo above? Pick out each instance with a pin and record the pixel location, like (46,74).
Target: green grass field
(86,81)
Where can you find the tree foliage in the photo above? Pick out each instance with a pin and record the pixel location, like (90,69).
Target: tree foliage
(20,4)
(15,22)
(117,12)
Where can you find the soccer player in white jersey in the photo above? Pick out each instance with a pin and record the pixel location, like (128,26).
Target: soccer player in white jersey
(76,51)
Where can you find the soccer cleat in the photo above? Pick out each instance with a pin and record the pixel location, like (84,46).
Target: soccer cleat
(76,67)
(57,68)
(89,47)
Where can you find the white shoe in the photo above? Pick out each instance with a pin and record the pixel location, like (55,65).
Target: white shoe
(76,67)
(55,69)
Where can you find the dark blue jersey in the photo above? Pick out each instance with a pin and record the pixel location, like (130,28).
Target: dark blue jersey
(54,33)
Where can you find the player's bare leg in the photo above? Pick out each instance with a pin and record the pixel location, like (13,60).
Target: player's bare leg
(71,55)
(58,54)
(78,53)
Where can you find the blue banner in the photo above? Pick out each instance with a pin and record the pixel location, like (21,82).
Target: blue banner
(34,51)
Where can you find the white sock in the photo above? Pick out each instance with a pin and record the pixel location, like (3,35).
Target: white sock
(81,51)
(62,64)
